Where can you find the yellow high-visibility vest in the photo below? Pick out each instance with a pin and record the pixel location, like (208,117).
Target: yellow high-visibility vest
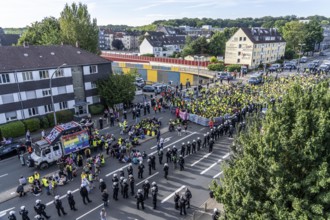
(36,176)
(45,182)
(31,179)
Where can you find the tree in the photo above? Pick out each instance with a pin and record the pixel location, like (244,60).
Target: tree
(216,66)
(118,44)
(118,88)
(293,33)
(46,32)
(280,165)
(217,44)
(313,35)
(76,26)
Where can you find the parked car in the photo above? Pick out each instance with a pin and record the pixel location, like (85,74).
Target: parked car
(255,79)
(10,149)
(288,66)
(274,67)
(322,53)
(303,60)
(148,89)
(316,62)
(139,82)
(225,75)
(311,65)
(324,67)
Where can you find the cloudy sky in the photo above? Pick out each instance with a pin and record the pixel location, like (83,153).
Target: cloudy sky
(20,13)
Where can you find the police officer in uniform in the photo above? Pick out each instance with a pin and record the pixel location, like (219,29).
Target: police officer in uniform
(146,187)
(59,206)
(199,143)
(39,208)
(188,196)
(71,201)
(182,203)
(188,148)
(176,200)
(84,194)
(216,214)
(130,169)
(131,183)
(115,178)
(102,185)
(121,173)
(165,170)
(204,141)
(125,194)
(193,146)
(24,213)
(139,199)
(211,145)
(122,185)
(154,197)
(183,149)
(154,184)
(115,188)
(153,162)
(140,168)
(168,155)
(160,156)
(149,165)
(181,163)
(12,215)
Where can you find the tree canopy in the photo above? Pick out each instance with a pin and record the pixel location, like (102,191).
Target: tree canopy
(280,166)
(118,44)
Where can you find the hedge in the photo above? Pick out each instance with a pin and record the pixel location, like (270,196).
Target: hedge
(233,67)
(32,124)
(44,123)
(216,66)
(96,109)
(61,116)
(12,129)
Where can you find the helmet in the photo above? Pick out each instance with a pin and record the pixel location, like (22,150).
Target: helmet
(38,201)
(139,190)
(215,209)
(37,216)
(146,181)
(121,170)
(188,142)
(22,207)
(130,164)
(168,149)
(207,133)
(174,146)
(125,180)
(140,162)
(69,192)
(101,180)
(165,164)
(198,138)
(194,140)
(153,188)
(153,183)
(11,212)
(148,160)
(115,175)
(121,178)
(204,135)
(57,197)
(161,149)
(182,143)
(130,176)
(115,183)
(82,185)
(211,129)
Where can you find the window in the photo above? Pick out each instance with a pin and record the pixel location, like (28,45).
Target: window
(93,69)
(46,92)
(244,38)
(61,90)
(96,99)
(8,98)
(33,111)
(44,74)
(93,85)
(63,105)
(240,46)
(59,73)
(240,38)
(27,76)
(238,60)
(11,115)
(239,53)
(48,108)
(31,94)
(4,78)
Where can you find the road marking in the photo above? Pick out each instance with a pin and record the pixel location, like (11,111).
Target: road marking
(202,129)
(109,174)
(227,155)
(172,194)
(210,167)
(4,175)
(165,140)
(215,176)
(147,178)
(62,197)
(174,143)
(205,156)
(4,212)
(89,212)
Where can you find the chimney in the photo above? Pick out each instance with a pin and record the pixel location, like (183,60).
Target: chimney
(77,44)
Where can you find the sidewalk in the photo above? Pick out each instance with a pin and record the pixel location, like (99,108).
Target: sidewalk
(206,210)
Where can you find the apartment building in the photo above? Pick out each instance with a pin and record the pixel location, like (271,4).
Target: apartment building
(26,73)
(254,46)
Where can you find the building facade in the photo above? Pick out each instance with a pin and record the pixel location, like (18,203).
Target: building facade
(26,74)
(254,46)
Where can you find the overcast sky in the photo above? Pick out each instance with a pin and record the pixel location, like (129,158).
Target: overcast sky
(20,13)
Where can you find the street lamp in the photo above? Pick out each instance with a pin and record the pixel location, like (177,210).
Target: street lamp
(299,55)
(198,59)
(51,93)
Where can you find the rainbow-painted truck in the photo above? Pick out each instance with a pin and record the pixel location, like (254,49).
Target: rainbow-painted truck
(63,140)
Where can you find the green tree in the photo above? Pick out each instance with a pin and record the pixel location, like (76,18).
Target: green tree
(118,44)
(280,166)
(118,88)
(77,26)
(217,44)
(313,35)
(216,67)
(293,33)
(46,32)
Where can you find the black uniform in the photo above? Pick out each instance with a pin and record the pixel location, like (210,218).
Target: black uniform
(150,166)
(102,186)
(130,170)
(122,187)
(24,213)
(183,150)
(165,171)
(211,145)
(115,188)
(188,151)
(153,162)
(183,202)
(140,172)
(59,207)
(188,196)
(160,156)
(40,210)
(84,195)
(139,200)
(154,197)
(199,143)
(114,179)
(193,145)
(181,163)
(131,183)
(125,193)
(105,198)
(168,156)
(146,187)
(12,217)
(176,200)
(215,215)
(204,141)
(121,173)
(71,202)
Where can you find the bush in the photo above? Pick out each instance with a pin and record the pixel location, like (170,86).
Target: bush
(32,124)
(13,129)
(213,60)
(289,54)
(233,67)
(216,66)
(61,116)
(44,123)
(96,109)
(148,55)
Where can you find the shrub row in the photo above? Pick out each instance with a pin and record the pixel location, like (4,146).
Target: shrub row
(18,128)
(96,109)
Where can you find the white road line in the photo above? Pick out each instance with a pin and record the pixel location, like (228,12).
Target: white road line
(215,176)
(4,212)
(62,197)
(202,129)
(205,156)
(147,178)
(109,174)
(173,143)
(227,155)
(4,175)
(172,194)
(210,167)
(165,140)
(89,212)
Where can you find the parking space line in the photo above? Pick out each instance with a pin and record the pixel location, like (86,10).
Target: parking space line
(92,210)
(147,178)
(172,194)
(215,176)
(205,156)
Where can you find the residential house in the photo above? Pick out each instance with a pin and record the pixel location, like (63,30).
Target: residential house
(325,44)
(27,73)
(8,39)
(254,46)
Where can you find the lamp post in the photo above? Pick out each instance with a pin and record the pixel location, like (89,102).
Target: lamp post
(51,93)
(299,56)
(198,59)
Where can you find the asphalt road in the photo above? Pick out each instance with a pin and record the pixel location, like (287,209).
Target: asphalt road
(200,169)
